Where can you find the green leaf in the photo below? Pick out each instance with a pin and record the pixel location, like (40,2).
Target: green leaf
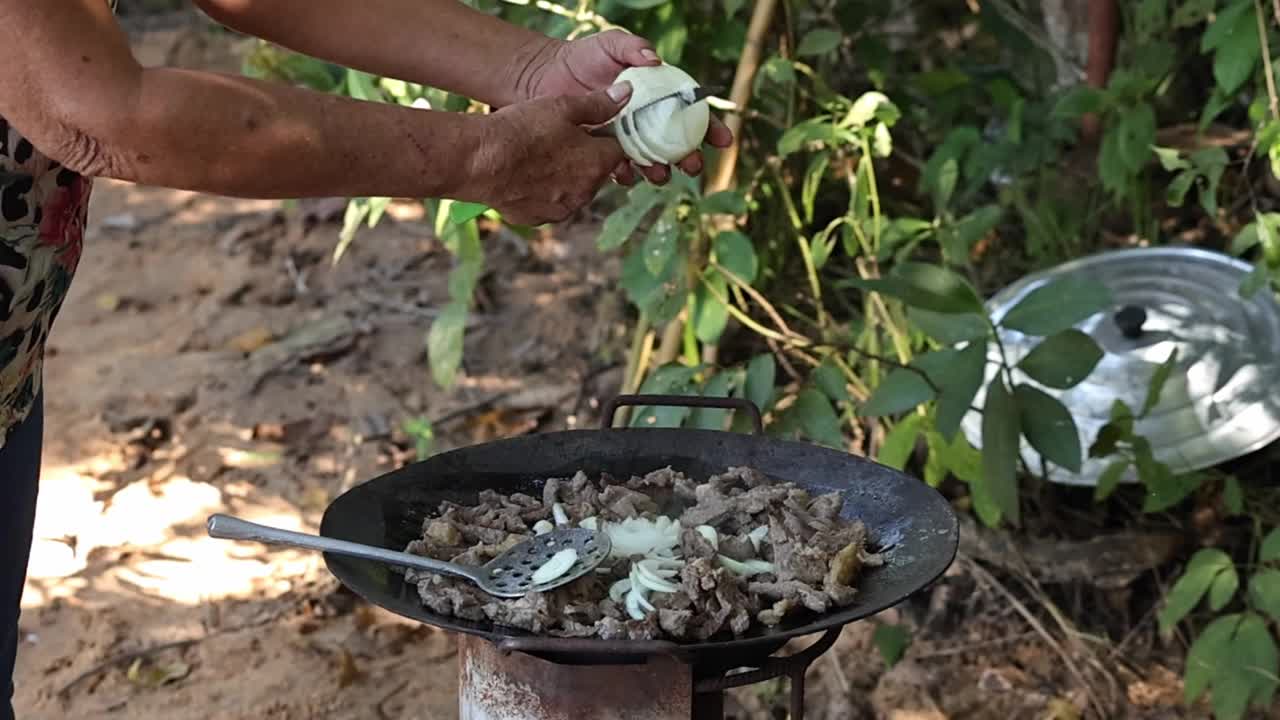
(1049,427)
(622,222)
(1109,480)
(900,442)
(731,7)
(828,378)
(670,32)
(872,105)
(819,41)
(901,390)
(812,180)
(1057,306)
(926,286)
(950,329)
(1170,159)
(970,229)
(1210,651)
(710,315)
(1203,568)
(1235,59)
(958,375)
(1212,162)
(1164,489)
(1264,592)
(1135,135)
(1258,661)
(1254,281)
(718,386)
(820,248)
(1223,588)
(760,378)
(361,86)
(1000,450)
(357,210)
(945,184)
(818,419)
(461,212)
(1176,193)
(1270,548)
(1079,100)
(1062,360)
(892,642)
(1105,442)
(1233,496)
(377,206)
(444,342)
(660,243)
(1192,12)
(1159,379)
(662,296)
(1225,24)
(725,202)
(882,141)
(735,252)
(820,129)
(641,4)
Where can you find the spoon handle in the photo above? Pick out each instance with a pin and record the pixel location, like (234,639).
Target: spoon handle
(226,527)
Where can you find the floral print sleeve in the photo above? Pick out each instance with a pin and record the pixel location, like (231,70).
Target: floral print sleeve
(42,217)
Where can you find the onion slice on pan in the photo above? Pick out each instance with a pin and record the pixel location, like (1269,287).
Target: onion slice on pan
(558,565)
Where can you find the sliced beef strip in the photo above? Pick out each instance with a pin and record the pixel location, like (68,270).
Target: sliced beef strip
(621,503)
(693,545)
(745,476)
(675,622)
(612,628)
(662,478)
(738,547)
(827,506)
(685,489)
(815,600)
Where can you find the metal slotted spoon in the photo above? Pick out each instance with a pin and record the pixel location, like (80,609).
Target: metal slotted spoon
(509,575)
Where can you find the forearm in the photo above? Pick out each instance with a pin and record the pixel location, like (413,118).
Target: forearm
(439,43)
(236,136)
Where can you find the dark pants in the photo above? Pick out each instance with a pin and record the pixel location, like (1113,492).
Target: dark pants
(19,473)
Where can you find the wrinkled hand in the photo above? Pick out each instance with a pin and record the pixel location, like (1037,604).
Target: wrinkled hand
(539,164)
(593,62)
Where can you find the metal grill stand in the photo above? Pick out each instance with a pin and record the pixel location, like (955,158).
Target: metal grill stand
(500,682)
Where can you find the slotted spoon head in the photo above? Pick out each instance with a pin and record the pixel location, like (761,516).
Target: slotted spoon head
(510,574)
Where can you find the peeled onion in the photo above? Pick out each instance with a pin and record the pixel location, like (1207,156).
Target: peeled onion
(667,131)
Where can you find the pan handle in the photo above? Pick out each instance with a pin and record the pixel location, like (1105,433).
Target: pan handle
(694,401)
(584,646)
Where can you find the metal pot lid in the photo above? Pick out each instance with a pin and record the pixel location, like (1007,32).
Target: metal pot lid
(1222,399)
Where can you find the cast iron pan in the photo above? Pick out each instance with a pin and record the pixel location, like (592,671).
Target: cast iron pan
(910,521)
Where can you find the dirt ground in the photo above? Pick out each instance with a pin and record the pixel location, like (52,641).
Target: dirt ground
(211,359)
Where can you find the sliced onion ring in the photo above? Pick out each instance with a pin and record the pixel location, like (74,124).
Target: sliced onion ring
(652,581)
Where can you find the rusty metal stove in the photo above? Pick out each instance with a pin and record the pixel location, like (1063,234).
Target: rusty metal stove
(500,681)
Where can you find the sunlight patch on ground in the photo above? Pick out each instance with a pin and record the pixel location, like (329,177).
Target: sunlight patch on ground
(161,525)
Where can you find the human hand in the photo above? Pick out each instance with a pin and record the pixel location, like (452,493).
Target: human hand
(537,161)
(593,62)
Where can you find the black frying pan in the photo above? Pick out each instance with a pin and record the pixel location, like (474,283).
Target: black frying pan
(912,522)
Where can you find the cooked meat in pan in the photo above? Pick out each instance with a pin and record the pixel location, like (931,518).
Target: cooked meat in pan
(689,560)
